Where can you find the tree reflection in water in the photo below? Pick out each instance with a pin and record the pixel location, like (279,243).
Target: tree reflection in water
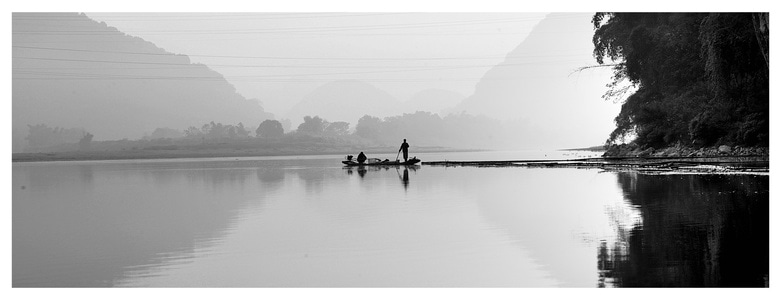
(697,231)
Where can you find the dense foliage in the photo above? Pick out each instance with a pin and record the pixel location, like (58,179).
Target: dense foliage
(700,79)
(270,129)
(217,131)
(316,126)
(41,136)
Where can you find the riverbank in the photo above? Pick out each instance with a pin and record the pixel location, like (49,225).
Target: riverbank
(622,158)
(202,152)
(624,150)
(747,164)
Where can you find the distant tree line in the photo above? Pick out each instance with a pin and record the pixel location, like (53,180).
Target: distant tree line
(316,126)
(701,79)
(217,131)
(270,129)
(425,128)
(421,128)
(41,136)
(312,126)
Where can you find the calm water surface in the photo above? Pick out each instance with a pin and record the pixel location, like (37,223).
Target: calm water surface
(308,222)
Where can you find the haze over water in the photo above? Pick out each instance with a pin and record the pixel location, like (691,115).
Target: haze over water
(309,222)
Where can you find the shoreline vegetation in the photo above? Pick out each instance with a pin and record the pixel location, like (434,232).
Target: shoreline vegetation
(211,152)
(682,78)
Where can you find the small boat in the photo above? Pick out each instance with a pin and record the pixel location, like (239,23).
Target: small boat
(374,162)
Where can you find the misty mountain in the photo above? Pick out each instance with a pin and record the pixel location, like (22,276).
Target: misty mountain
(536,86)
(70,71)
(345,100)
(437,101)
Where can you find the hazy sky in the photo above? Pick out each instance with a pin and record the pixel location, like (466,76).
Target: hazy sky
(279,57)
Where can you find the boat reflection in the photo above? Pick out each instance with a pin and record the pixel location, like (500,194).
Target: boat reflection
(401,171)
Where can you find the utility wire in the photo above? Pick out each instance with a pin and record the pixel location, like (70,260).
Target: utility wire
(498,56)
(273,66)
(288,29)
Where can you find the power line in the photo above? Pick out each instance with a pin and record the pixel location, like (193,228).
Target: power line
(258,57)
(232,17)
(289,29)
(66,76)
(147,17)
(185,66)
(286,58)
(106,61)
(284,76)
(261,16)
(273,66)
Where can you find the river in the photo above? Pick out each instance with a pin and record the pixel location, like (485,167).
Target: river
(306,221)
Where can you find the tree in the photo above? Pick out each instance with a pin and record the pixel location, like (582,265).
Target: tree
(84,142)
(42,136)
(193,132)
(216,130)
(241,131)
(166,133)
(337,129)
(205,129)
(231,132)
(734,50)
(270,129)
(700,78)
(368,127)
(313,126)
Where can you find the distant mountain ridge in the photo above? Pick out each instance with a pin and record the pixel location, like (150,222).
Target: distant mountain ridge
(537,86)
(437,101)
(71,71)
(346,100)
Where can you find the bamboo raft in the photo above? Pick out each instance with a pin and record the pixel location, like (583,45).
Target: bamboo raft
(719,164)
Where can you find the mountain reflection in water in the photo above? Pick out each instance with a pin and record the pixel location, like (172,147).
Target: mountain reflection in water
(696,231)
(310,222)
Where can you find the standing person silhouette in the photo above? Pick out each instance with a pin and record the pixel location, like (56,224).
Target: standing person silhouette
(404,149)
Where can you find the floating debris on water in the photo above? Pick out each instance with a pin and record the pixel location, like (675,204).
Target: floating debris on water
(662,166)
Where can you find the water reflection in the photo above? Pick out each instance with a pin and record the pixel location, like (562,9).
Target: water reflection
(271,176)
(697,230)
(405,179)
(88,224)
(287,223)
(362,171)
(401,171)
